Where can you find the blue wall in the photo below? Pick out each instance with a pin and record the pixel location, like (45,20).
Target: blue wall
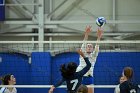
(40,70)
(2,11)
(17,65)
(36,73)
(44,69)
(109,68)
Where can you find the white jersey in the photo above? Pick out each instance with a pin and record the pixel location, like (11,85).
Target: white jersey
(117,89)
(92,58)
(6,90)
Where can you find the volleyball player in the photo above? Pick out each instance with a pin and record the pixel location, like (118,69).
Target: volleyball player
(128,86)
(92,54)
(117,88)
(73,79)
(8,80)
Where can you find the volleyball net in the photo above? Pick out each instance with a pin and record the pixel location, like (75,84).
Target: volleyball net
(36,64)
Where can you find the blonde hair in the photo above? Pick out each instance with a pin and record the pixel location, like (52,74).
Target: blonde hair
(82,89)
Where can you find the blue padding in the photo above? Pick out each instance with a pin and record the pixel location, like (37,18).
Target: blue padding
(45,69)
(107,69)
(2,11)
(1,1)
(41,68)
(109,66)
(16,64)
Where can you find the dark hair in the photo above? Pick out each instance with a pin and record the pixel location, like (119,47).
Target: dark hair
(67,70)
(82,89)
(128,72)
(1,79)
(5,79)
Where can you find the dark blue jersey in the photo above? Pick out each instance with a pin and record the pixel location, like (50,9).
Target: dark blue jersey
(128,87)
(75,81)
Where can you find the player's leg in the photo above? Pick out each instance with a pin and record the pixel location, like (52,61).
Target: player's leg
(88,80)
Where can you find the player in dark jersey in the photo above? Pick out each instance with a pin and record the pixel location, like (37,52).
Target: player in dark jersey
(73,79)
(128,86)
(117,88)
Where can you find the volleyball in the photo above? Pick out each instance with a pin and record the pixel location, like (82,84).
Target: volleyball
(100,21)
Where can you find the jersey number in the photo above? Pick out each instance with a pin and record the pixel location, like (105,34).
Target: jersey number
(132,91)
(75,81)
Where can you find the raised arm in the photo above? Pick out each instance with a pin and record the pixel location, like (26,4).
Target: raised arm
(88,64)
(99,35)
(87,31)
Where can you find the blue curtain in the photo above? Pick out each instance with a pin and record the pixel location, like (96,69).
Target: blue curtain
(2,11)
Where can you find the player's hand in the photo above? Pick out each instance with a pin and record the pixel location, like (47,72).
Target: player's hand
(99,33)
(88,29)
(79,51)
(51,89)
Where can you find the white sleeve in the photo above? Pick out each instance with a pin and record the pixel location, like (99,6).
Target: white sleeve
(95,52)
(15,90)
(117,89)
(83,47)
(2,90)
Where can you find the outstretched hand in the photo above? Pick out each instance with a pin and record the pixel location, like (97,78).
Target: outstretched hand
(99,33)
(51,89)
(79,51)
(87,31)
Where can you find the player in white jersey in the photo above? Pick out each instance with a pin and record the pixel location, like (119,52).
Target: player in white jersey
(7,90)
(92,54)
(8,80)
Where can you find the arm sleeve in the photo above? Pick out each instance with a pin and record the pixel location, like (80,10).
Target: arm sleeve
(83,47)
(15,90)
(86,68)
(59,82)
(117,89)
(95,52)
(2,90)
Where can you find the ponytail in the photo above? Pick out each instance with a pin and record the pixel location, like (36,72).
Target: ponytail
(128,72)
